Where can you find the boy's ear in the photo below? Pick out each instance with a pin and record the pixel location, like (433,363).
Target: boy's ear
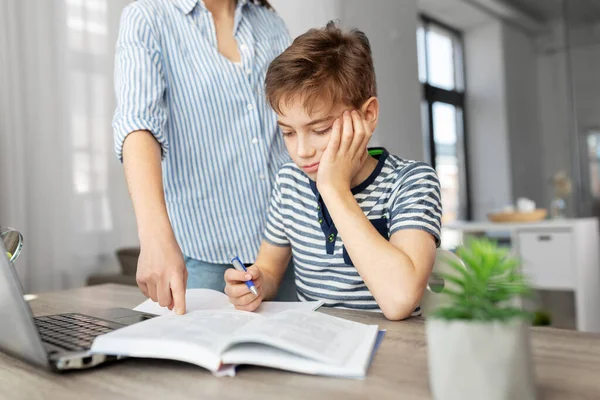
(370,112)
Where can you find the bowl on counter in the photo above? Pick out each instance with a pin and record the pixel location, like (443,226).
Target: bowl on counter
(516,216)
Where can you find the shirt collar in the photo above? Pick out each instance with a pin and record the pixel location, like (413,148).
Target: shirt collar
(188,5)
(185,5)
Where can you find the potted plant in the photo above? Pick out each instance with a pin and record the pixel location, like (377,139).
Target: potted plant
(478,341)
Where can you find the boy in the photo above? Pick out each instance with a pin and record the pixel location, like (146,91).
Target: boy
(363,228)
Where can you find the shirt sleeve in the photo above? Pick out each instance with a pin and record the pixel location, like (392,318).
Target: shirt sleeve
(416,201)
(139,82)
(275,227)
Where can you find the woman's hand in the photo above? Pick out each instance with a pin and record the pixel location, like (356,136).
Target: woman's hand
(161,273)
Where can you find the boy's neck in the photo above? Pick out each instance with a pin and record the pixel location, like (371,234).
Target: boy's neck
(365,171)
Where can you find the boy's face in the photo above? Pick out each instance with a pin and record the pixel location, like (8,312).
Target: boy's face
(306,136)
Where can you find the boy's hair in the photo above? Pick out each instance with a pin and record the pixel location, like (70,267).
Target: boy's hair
(325,64)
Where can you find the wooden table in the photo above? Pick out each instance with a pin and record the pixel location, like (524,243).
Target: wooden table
(567,365)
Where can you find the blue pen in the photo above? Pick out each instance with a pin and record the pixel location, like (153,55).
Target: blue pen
(237,264)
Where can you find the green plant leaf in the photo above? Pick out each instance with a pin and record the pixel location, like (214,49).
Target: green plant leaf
(487,286)
(454,279)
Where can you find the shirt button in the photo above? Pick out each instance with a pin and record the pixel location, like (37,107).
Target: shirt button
(262,177)
(243,47)
(254,140)
(249,71)
(250,107)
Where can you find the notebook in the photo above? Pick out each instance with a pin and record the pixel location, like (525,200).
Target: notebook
(295,340)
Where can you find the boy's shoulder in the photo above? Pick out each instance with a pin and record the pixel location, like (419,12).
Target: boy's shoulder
(398,168)
(291,174)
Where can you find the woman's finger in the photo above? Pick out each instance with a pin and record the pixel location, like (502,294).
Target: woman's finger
(163,292)
(152,291)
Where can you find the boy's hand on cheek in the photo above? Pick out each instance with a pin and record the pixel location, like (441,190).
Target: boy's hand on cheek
(345,152)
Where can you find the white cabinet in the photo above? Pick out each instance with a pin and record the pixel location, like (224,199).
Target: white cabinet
(555,255)
(548,258)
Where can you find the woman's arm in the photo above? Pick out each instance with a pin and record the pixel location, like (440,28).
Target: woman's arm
(141,142)
(161,272)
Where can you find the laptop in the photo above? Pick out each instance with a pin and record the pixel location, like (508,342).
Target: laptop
(54,342)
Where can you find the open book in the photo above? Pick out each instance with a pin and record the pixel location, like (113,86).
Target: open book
(295,340)
(208,299)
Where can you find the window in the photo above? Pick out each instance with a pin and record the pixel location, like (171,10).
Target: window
(89,107)
(441,74)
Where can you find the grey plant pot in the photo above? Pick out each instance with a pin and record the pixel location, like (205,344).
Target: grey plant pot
(478,360)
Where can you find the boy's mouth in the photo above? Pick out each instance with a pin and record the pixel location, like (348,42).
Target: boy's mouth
(311,168)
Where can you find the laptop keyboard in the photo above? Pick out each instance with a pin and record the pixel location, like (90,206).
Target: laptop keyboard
(74,332)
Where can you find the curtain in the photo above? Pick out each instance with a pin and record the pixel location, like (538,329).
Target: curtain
(60,183)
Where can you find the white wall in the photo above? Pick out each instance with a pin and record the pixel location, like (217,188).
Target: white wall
(564,126)
(524,111)
(555,125)
(585,67)
(503,126)
(520,64)
(487,124)
(391,27)
(300,16)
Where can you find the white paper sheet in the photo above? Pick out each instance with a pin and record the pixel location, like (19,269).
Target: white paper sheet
(207,299)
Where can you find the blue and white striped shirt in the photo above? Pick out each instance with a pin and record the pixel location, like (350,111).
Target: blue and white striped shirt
(398,195)
(220,142)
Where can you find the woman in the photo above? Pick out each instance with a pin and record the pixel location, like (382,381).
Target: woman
(199,144)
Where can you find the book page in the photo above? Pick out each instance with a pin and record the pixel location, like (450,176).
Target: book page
(262,355)
(197,337)
(269,308)
(195,300)
(317,336)
(208,299)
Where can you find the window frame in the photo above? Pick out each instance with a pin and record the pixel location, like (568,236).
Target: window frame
(456,97)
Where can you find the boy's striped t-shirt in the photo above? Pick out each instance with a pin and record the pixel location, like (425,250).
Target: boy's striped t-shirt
(399,194)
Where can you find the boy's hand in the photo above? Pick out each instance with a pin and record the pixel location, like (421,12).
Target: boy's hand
(239,294)
(346,152)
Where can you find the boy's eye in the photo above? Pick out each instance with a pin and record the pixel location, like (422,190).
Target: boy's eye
(324,131)
(285,134)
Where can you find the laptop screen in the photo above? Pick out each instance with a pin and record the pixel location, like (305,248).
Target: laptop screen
(18,334)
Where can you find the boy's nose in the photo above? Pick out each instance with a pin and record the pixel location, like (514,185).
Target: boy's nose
(304,149)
